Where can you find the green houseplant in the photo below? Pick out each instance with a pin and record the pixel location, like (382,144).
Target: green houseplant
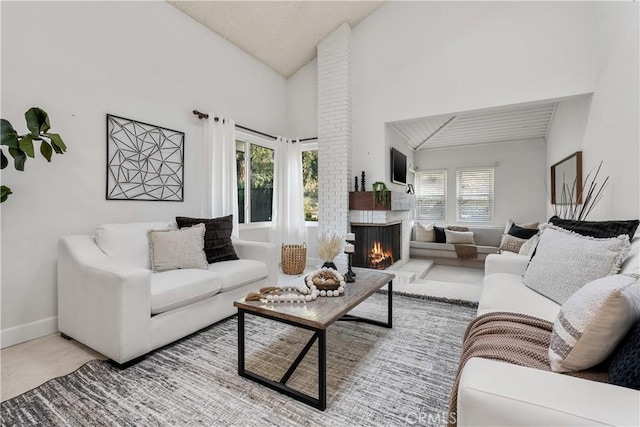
(380,192)
(20,147)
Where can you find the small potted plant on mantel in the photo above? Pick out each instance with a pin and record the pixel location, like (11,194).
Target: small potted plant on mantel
(22,146)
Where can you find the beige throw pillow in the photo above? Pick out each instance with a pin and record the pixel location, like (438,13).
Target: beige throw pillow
(425,233)
(459,237)
(175,249)
(511,243)
(529,247)
(593,321)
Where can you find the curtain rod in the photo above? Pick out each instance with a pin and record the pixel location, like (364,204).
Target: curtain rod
(206,116)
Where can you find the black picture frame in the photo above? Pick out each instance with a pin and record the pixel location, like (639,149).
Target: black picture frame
(144,161)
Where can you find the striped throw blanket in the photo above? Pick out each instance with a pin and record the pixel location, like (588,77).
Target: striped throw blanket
(514,338)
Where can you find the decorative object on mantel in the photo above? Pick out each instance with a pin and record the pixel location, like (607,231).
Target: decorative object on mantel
(356,183)
(294,258)
(21,146)
(362,186)
(144,162)
(329,246)
(410,189)
(578,200)
(380,192)
(349,248)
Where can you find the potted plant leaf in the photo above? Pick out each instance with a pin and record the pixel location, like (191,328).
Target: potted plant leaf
(20,147)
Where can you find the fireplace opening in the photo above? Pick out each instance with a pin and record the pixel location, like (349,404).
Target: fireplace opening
(377,246)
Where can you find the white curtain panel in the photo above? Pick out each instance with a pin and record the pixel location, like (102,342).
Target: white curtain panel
(287,224)
(219,163)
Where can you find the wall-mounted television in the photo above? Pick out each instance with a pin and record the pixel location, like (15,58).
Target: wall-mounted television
(398,167)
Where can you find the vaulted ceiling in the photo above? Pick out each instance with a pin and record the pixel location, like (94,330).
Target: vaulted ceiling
(511,123)
(281,34)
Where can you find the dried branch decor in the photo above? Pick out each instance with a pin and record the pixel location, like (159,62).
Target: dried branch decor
(329,245)
(591,193)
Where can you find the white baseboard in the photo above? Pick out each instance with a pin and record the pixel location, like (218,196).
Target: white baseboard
(28,331)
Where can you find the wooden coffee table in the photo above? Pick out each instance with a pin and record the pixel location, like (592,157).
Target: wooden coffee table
(315,316)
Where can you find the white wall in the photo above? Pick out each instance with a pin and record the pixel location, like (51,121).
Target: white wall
(610,132)
(566,134)
(519,186)
(417,59)
(78,61)
(302,106)
(394,140)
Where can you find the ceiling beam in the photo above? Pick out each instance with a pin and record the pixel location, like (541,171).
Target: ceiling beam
(444,125)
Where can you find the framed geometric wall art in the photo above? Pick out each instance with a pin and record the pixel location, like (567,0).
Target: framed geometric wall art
(144,162)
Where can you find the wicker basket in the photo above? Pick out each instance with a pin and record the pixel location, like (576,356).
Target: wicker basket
(294,258)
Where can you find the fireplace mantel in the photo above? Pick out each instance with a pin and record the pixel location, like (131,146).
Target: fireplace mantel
(397,201)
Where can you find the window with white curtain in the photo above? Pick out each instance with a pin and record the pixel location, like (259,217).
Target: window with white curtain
(431,195)
(474,195)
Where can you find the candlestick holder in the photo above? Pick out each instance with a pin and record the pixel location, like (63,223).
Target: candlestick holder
(349,276)
(353,242)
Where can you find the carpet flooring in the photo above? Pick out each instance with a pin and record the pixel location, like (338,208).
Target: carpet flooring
(375,376)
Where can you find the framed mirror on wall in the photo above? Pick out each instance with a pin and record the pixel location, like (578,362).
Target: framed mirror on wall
(566,180)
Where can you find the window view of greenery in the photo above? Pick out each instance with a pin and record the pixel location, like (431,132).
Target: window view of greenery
(240,166)
(255,182)
(310,184)
(261,167)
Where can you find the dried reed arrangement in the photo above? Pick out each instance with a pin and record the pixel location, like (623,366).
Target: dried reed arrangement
(567,208)
(329,245)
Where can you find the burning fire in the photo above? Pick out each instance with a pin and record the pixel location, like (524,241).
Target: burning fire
(379,258)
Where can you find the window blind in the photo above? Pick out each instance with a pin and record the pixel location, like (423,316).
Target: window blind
(431,195)
(474,195)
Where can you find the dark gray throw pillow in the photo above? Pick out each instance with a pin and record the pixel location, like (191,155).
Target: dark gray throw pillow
(598,229)
(217,236)
(440,235)
(522,233)
(624,369)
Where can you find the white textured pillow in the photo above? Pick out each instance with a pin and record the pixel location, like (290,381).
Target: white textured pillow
(593,321)
(566,261)
(529,247)
(174,249)
(425,233)
(459,237)
(127,243)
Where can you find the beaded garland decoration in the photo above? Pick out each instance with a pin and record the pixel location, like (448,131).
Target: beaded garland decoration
(324,282)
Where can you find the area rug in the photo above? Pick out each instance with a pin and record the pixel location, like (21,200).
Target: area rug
(375,376)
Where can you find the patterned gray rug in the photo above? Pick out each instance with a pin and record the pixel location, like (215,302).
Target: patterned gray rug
(375,376)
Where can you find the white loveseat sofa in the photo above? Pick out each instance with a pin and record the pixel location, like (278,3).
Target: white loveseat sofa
(493,393)
(487,239)
(109,299)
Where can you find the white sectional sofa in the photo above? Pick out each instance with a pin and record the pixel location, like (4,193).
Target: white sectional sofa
(109,299)
(493,393)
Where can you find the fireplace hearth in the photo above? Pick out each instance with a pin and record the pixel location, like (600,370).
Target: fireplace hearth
(377,246)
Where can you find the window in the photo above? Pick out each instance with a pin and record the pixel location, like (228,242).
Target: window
(310,183)
(474,202)
(254,159)
(431,195)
